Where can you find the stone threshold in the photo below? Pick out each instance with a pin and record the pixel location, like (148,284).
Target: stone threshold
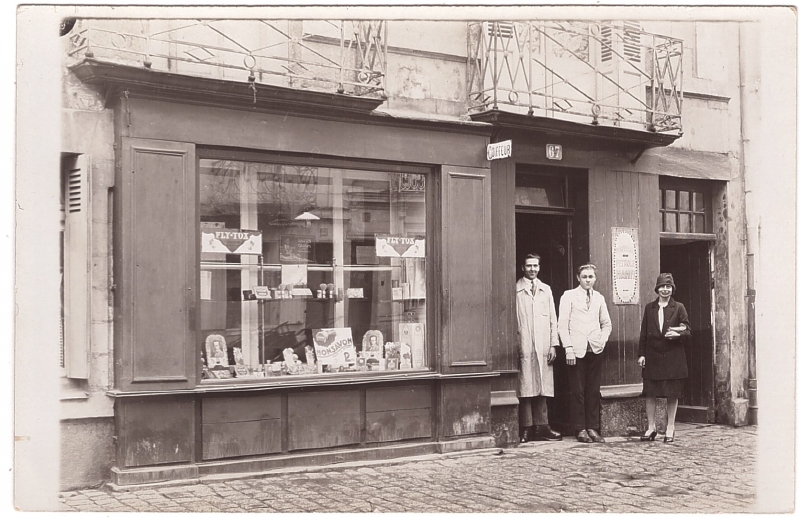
(160,476)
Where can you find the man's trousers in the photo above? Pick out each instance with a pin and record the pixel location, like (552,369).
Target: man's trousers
(532,411)
(584,387)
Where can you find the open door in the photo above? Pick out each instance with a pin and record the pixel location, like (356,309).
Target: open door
(690,265)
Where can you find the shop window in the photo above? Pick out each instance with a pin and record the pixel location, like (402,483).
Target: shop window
(683,211)
(310,271)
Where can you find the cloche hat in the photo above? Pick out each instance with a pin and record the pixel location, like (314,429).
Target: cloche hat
(664,279)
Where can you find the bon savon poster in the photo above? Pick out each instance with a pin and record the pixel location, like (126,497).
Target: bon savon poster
(334,346)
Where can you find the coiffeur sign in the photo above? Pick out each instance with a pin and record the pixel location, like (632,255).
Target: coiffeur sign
(625,264)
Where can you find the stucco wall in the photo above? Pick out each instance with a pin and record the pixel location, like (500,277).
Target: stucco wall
(87,452)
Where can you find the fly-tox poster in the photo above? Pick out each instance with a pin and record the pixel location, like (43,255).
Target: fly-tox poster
(395,246)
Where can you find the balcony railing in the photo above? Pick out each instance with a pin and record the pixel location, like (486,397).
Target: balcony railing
(601,73)
(322,55)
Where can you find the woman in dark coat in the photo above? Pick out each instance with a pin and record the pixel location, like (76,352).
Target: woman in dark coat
(665,329)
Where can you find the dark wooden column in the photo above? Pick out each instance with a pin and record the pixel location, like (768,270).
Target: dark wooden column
(466,270)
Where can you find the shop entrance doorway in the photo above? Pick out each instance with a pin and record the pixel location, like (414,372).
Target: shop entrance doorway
(552,220)
(690,266)
(548,236)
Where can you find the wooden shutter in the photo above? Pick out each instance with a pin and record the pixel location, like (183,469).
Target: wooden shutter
(77,267)
(155,263)
(466,269)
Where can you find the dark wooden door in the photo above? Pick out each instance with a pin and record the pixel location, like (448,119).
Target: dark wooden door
(690,266)
(549,236)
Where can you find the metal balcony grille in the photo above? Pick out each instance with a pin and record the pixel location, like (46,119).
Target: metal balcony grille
(600,73)
(323,55)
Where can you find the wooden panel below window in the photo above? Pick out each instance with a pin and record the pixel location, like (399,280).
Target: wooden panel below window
(223,440)
(324,419)
(398,413)
(155,431)
(234,409)
(466,407)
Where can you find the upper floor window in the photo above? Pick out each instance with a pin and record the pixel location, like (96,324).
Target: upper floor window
(685,209)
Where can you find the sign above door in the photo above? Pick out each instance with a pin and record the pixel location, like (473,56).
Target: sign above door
(498,150)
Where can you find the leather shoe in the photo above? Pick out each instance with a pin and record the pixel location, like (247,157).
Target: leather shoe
(583,436)
(544,433)
(526,435)
(649,437)
(596,437)
(668,438)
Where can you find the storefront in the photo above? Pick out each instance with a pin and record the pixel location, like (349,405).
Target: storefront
(624,201)
(292,289)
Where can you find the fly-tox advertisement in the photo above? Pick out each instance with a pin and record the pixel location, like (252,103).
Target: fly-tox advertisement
(395,246)
(231,241)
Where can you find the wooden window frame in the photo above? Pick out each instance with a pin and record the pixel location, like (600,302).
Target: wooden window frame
(692,187)
(431,216)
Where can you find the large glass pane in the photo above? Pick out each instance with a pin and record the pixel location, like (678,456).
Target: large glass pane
(683,200)
(699,202)
(540,191)
(683,223)
(699,223)
(669,199)
(670,222)
(340,281)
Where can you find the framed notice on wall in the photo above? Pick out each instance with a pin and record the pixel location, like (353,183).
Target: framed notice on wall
(625,264)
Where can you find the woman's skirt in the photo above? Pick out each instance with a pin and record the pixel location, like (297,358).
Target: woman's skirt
(663,388)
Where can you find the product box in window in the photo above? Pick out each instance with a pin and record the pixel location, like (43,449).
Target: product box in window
(405,356)
(392,350)
(414,335)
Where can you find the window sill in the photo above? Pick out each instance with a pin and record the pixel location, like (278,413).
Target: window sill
(284,382)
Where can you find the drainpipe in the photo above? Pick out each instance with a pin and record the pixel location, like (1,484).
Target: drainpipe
(749,77)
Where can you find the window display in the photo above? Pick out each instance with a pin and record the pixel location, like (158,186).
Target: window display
(310,270)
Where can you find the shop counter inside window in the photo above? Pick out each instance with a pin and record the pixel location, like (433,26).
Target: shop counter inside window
(309,271)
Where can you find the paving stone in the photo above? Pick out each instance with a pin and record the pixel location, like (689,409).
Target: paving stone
(711,469)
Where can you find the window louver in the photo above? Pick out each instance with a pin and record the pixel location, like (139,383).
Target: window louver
(501,29)
(74,190)
(631,41)
(605,43)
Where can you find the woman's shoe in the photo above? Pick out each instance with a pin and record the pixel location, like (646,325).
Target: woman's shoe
(649,436)
(669,438)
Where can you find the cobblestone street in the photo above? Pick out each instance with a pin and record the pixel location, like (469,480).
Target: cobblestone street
(709,468)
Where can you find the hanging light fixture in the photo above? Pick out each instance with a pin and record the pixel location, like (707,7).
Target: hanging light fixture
(308,217)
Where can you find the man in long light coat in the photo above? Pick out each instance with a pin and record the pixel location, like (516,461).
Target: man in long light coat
(537,335)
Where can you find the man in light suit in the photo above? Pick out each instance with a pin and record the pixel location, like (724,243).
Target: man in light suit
(584,327)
